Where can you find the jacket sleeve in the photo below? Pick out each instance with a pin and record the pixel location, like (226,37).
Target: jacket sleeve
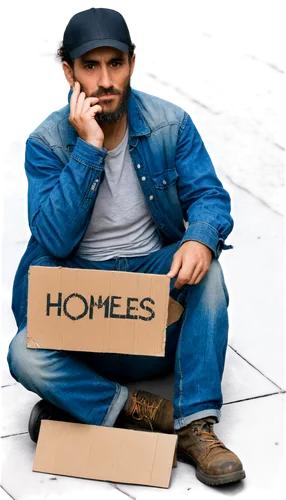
(205,202)
(61,197)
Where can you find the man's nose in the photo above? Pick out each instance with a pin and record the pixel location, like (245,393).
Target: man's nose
(105,78)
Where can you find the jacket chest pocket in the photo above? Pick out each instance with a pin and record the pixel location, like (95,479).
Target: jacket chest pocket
(165,179)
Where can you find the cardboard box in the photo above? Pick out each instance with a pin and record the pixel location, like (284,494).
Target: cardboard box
(105,453)
(99,311)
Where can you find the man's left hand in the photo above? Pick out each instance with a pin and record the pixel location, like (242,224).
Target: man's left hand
(191,262)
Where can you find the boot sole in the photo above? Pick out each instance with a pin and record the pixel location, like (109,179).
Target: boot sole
(208,479)
(232,477)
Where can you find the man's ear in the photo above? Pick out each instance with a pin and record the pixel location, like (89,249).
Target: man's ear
(134,64)
(68,71)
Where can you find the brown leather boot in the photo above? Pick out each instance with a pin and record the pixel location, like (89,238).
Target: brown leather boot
(147,412)
(43,410)
(199,446)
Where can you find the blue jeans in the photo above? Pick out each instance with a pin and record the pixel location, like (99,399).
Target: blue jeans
(90,386)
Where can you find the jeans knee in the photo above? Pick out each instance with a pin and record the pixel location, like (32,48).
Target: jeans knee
(20,360)
(27,366)
(214,287)
(211,291)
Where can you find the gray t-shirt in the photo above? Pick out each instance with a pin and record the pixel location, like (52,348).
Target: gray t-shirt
(121,224)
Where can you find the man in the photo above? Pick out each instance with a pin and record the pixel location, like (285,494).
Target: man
(112,177)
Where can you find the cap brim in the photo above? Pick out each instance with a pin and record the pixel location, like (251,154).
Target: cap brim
(94,44)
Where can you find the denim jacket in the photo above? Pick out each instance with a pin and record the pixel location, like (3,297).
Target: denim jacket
(173,168)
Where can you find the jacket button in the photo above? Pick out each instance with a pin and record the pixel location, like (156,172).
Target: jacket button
(151,197)
(143,178)
(164,182)
(138,166)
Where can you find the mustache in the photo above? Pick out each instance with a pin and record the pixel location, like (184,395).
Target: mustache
(102,91)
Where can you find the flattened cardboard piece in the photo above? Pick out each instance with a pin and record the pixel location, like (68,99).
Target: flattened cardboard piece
(105,453)
(175,311)
(97,311)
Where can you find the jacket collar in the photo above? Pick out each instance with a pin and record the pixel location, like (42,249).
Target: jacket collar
(137,124)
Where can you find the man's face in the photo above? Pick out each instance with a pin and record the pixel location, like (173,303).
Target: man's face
(105,73)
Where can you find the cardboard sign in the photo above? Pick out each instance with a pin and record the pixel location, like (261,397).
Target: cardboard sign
(105,453)
(99,311)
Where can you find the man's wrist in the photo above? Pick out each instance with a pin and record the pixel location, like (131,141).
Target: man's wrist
(88,154)
(94,142)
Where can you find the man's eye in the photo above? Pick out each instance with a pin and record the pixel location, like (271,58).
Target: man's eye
(114,64)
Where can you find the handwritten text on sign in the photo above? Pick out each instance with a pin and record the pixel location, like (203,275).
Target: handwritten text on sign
(108,304)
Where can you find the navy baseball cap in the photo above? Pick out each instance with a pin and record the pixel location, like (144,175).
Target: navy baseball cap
(94,28)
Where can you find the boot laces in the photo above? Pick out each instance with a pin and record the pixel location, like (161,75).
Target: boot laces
(143,410)
(204,430)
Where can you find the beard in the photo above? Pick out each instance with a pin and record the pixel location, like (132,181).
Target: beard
(110,117)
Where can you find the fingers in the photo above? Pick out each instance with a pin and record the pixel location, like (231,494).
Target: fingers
(178,283)
(199,278)
(93,110)
(88,102)
(79,105)
(82,113)
(192,278)
(176,265)
(82,106)
(183,268)
(74,98)
(182,280)
(79,102)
